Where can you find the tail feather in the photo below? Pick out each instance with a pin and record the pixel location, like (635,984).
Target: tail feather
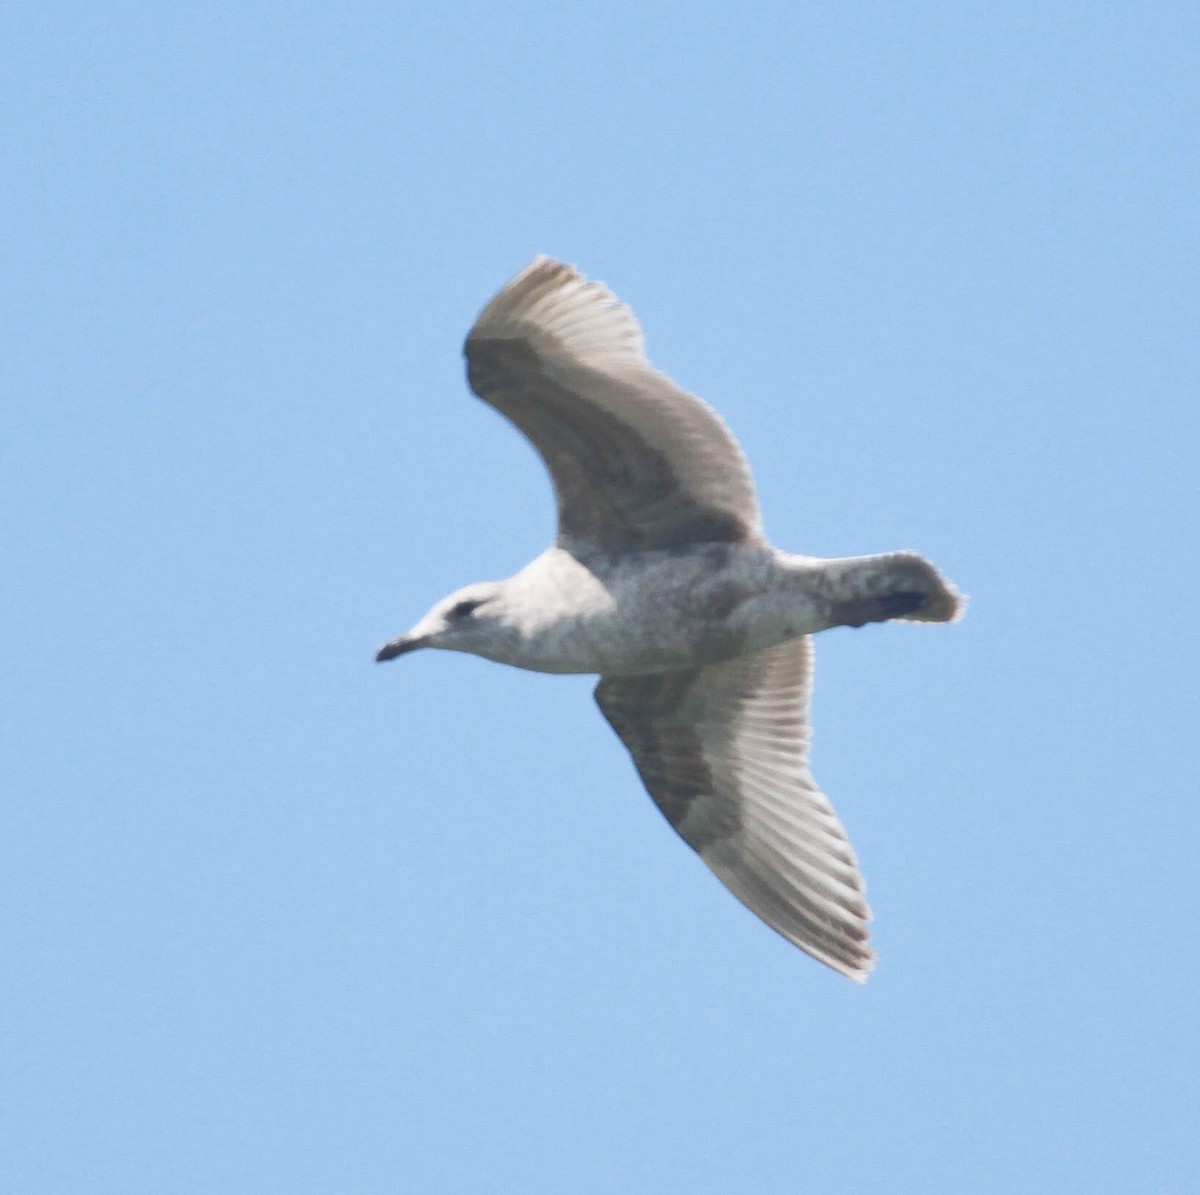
(900,585)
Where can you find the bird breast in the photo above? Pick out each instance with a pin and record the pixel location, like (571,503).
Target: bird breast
(650,612)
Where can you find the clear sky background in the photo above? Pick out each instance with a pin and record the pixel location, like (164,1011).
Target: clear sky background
(277,920)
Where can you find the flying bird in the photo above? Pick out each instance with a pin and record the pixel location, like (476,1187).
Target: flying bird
(662,581)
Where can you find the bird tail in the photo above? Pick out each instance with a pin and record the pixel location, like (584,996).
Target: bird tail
(895,585)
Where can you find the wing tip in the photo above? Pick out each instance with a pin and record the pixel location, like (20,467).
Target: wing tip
(553,306)
(859,972)
(855,963)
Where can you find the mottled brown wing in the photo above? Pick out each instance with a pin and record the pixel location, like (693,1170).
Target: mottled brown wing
(636,462)
(723,751)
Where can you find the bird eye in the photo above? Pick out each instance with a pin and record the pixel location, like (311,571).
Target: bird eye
(464,608)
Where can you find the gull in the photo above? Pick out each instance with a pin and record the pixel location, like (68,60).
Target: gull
(662,581)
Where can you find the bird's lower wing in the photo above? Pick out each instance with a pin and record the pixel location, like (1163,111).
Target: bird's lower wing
(723,751)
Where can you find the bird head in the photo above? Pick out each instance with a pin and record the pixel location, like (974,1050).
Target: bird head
(471,620)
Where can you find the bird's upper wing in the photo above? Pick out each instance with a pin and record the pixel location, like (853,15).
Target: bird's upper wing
(636,462)
(723,751)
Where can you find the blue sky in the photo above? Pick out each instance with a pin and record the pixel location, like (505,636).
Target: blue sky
(275,919)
